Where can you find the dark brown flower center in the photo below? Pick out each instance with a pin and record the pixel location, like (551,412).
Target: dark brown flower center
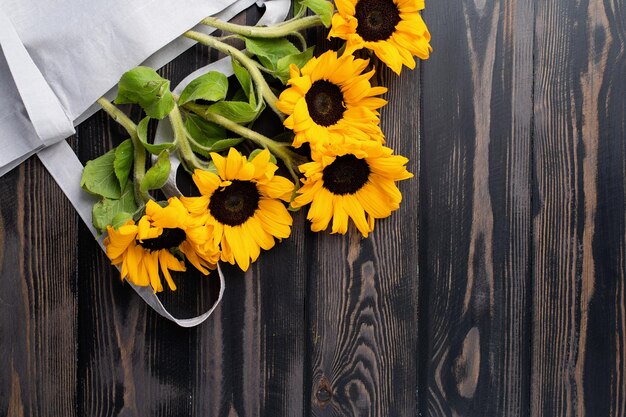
(170,238)
(235,204)
(346,175)
(325,102)
(377,19)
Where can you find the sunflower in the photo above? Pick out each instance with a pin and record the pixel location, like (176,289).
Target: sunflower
(331,98)
(144,248)
(241,205)
(393,29)
(351,180)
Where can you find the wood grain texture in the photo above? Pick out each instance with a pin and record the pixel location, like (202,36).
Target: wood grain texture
(362,293)
(498,288)
(38,304)
(475,210)
(579,211)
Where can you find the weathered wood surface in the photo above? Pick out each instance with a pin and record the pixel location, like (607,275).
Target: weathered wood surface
(498,288)
(475,210)
(579,214)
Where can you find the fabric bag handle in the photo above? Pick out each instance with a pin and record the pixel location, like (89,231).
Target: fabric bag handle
(42,105)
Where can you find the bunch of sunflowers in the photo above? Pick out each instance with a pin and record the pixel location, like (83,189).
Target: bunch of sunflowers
(334,151)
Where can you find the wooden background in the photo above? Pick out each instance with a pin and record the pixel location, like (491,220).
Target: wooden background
(498,288)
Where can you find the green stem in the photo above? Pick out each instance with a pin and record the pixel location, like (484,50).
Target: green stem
(275,31)
(280,150)
(303,43)
(139,161)
(263,89)
(189,159)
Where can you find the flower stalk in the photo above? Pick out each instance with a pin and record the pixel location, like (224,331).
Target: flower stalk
(139,160)
(290,27)
(189,159)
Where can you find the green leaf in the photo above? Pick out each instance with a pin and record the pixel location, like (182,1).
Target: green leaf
(236,111)
(243,76)
(218,146)
(110,212)
(203,131)
(158,174)
(222,145)
(269,51)
(123,161)
(211,86)
(298,9)
(143,86)
(99,176)
(255,152)
(300,59)
(120,219)
(210,136)
(323,8)
(142,132)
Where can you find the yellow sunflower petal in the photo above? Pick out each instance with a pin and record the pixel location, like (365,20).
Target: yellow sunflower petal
(346,6)
(220,165)
(340,217)
(117,243)
(172,216)
(196,205)
(146,231)
(227,253)
(261,237)
(278,187)
(137,273)
(207,182)
(356,213)
(240,251)
(192,256)
(373,202)
(151,261)
(275,218)
(301,84)
(254,250)
(163,262)
(321,211)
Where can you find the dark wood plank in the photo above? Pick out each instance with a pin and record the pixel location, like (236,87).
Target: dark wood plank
(248,360)
(579,205)
(362,293)
(38,300)
(131,360)
(475,212)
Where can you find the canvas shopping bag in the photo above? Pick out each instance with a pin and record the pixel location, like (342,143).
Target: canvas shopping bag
(59,57)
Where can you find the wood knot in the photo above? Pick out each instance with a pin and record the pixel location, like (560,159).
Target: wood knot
(467,365)
(324,392)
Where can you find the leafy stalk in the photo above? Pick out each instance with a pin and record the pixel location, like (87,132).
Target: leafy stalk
(139,167)
(189,159)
